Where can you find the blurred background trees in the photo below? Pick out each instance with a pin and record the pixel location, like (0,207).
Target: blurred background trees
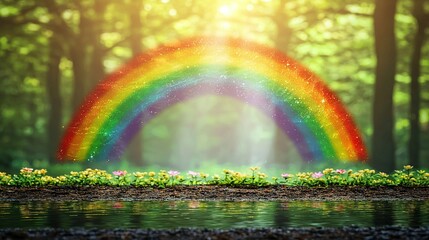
(53,53)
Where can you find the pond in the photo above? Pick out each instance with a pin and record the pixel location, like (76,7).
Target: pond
(211,214)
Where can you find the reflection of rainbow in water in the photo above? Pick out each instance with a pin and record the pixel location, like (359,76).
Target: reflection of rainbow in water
(297,100)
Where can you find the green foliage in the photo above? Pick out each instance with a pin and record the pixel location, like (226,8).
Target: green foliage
(28,177)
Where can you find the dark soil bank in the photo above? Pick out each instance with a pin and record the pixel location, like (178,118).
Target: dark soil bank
(213,193)
(246,233)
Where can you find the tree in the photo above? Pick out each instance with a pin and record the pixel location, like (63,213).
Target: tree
(284,33)
(22,70)
(136,26)
(53,85)
(53,90)
(97,71)
(422,20)
(78,56)
(383,144)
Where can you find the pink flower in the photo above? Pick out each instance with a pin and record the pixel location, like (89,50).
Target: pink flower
(285,175)
(317,175)
(173,173)
(193,174)
(119,173)
(340,171)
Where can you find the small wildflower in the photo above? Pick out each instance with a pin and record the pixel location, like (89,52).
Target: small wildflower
(119,173)
(254,169)
(340,171)
(26,170)
(285,175)
(163,174)
(180,178)
(317,175)
(367,171)
(62,178)
(384,175)
(47,179)
(40,172)
(408,167)
(173,173)
(151,174)
(262,175)
(193,174)
(140,174)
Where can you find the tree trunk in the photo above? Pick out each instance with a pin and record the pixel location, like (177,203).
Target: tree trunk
(54,98)
(97,68)
(281,41)
(414,141)
(135,149)
(281,20)
(383,144)
(78,57)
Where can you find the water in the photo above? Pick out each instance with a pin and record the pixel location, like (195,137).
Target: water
(211,214)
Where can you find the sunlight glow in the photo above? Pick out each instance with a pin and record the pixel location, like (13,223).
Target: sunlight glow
(227,10)
(250,7)
(172,12)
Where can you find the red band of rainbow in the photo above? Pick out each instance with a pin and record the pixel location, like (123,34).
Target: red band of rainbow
(297,100)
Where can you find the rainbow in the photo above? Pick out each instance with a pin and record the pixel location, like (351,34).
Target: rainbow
(308,112)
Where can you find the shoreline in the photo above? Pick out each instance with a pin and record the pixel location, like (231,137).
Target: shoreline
(212,193)
(352,232)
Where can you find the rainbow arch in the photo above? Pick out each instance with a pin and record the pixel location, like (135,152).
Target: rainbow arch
(296,99)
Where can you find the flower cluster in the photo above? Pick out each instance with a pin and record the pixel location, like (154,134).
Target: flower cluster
(5,179)
(364,177)
(87,177)
(29,177)
(327,177)
(152,179)
(232,178)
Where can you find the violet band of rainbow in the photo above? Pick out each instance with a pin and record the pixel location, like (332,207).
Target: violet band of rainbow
(206,84)
(233,53)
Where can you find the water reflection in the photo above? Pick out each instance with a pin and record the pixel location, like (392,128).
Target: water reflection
(211,214)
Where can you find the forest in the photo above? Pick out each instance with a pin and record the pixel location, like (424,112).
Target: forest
(373,53)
